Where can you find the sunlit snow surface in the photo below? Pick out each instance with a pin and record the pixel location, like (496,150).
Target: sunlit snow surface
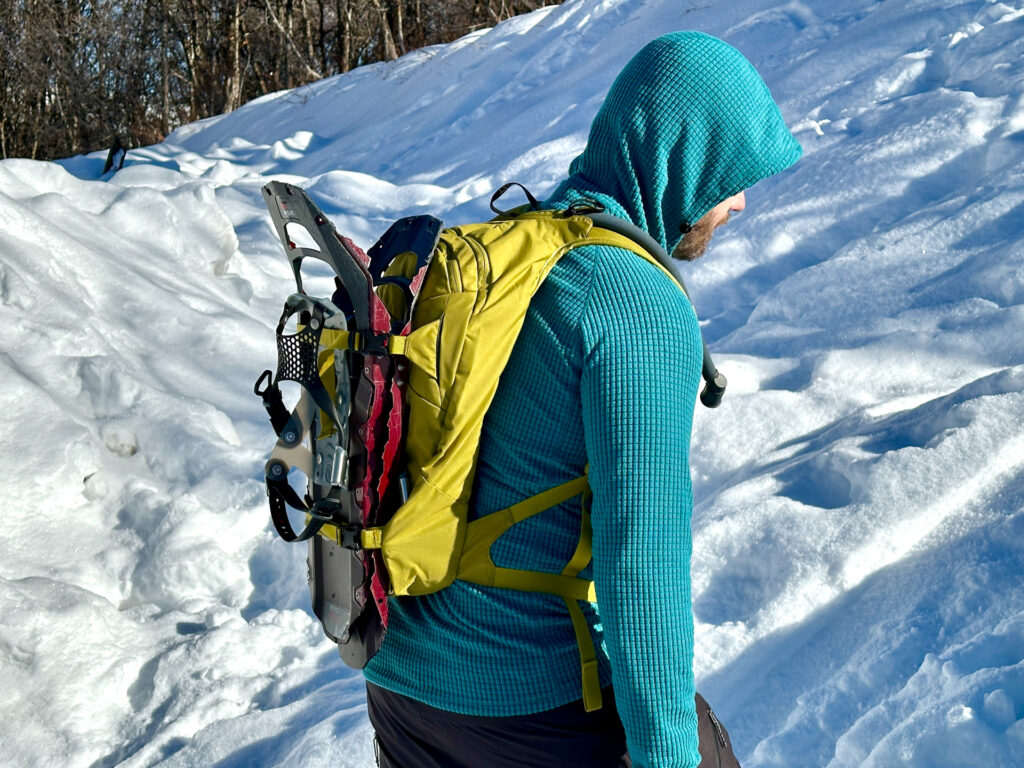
(859,536)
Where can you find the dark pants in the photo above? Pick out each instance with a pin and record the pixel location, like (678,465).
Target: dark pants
(413,735)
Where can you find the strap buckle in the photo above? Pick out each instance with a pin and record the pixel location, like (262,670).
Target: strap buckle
(369,343)
(323,510)
(584,207)
(349,535)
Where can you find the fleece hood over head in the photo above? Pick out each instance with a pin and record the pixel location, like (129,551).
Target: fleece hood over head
(687,124)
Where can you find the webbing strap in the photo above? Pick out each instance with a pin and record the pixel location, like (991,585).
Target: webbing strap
(546,499)
(488,529)
(584,642)
(476,564)
(588,657)
(583,549)
(568,587)
(333,338)
(478,567)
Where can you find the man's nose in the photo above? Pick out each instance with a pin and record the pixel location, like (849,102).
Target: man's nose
(738,202)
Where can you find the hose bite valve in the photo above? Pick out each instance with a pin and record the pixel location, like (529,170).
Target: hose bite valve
(714,389)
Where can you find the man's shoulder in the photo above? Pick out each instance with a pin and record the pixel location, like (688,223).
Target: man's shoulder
(618,274)
(631,300)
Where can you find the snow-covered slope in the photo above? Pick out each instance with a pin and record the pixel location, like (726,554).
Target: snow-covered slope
(859,535)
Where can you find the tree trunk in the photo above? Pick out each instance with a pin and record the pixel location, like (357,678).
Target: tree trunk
(345,35)
(399,31)
(286,31)
(234,66)
(165,78)
(389,51)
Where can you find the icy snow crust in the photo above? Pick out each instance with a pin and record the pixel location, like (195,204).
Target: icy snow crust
(859,535)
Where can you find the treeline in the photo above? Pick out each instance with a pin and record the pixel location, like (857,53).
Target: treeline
(78,75)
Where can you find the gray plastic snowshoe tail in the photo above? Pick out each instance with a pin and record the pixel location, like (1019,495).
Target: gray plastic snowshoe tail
(289,204)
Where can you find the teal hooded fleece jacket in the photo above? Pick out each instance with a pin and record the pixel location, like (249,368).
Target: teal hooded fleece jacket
(605,371)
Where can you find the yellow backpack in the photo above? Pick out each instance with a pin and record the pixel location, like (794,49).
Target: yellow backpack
(454,308)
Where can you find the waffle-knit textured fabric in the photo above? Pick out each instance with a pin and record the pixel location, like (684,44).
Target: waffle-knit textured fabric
(605,370)
(687,124)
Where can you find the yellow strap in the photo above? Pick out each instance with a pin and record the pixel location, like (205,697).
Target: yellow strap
(333,533)
(397,345)
(568,587)
(332,338)
(483,532)
(588,657)
(478,567)
(486,530)
(583,549)
(552,497)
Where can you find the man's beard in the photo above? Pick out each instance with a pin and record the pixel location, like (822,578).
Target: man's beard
(696,241)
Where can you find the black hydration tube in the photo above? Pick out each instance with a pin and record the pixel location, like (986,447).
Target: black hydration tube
(715,382)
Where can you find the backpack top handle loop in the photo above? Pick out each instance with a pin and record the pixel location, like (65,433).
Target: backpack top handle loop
(505,188)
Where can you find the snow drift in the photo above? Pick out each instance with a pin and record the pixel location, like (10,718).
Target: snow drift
(858,533)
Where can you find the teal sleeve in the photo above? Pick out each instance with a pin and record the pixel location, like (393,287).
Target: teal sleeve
(642,354)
